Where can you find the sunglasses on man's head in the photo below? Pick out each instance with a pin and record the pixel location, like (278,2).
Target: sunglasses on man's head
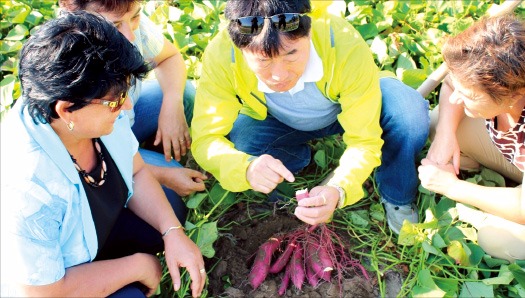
(283,22)
(114,105)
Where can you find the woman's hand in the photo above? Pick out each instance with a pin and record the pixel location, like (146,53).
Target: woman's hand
(182,252)
(443,149)
(151,271)
(183,181)
(319,207)
(437,178)
(173,132)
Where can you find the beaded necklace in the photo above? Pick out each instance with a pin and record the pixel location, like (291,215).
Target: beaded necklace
(103,172)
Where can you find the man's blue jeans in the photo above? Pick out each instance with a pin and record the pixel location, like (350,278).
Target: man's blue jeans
(404,120)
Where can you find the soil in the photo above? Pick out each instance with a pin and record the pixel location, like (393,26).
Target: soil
(234,256)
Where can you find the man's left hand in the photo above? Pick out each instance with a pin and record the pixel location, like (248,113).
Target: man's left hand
(319,207)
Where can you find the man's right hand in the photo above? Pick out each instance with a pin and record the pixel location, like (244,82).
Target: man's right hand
(265,173)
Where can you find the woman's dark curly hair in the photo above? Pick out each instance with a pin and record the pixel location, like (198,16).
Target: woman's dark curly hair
(76,57)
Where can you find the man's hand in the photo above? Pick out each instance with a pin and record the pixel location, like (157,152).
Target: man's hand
(173,132)
(319,207)
(265,173)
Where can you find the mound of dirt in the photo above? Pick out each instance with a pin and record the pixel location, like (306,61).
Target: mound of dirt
(234,257)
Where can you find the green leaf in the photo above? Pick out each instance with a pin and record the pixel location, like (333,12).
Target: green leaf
(409,234)
(368,31)
(18,14)
(219,194)
(453,234)
(516,291)
(199,11)
(457,251)
(430,249)
(518,273)
(450,286)
(476,289)
(7,47)
(490,175)
(504,277)
(34,18)
(469,233)
(413,77)
(359,218)
(494,262)
(6,91)
(320,159)
(405,62)
(426,287)
(438,241)
(204,237)
(477,254)
(19,32)
(195,200)
(377,212)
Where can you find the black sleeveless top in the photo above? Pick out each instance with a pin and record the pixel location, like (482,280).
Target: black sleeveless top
(108,200)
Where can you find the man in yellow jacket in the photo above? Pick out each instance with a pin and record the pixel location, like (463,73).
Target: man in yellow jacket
(283,74)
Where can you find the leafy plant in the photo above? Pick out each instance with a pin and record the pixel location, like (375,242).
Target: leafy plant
(439,257)
(18,20)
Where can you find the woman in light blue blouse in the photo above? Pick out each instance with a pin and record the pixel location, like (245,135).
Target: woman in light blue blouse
(81,215)
(162,107)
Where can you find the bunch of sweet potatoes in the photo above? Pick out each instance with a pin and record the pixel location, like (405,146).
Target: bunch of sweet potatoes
(307,254)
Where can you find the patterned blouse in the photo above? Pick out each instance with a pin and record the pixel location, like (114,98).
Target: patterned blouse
(510,143)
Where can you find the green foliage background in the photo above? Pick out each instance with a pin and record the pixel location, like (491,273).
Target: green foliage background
(441,256)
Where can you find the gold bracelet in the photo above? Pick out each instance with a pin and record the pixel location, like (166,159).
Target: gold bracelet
(170,229)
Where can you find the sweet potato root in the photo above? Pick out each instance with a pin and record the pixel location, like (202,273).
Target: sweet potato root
(261,265)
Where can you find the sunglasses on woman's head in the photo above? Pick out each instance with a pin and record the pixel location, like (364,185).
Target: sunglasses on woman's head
(114,105)
(284,22)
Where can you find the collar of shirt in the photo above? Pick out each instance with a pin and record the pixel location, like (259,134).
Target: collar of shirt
(312,73)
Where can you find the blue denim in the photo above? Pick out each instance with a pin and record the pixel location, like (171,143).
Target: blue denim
(277,139)
(405,123)
(130,291)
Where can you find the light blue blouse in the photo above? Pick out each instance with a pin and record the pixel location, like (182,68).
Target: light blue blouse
(46,220)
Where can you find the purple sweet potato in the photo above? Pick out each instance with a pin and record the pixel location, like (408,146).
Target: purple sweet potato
(283,259)
(296,267)
(319,261)
(312,278)
(284,284)
(261,265)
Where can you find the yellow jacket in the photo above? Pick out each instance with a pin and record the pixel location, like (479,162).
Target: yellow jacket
(228,87)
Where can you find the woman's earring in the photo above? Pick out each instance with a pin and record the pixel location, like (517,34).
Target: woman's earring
(70,126)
